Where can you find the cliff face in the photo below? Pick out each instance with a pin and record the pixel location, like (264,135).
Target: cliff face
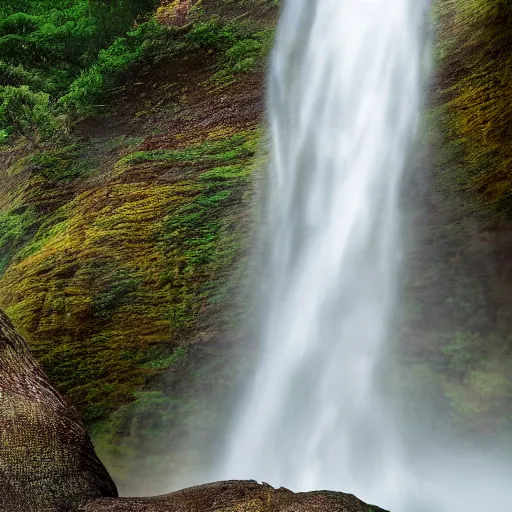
(456,342)
(121,249)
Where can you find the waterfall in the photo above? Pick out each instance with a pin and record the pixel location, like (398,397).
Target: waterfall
(344,95)
(344,100)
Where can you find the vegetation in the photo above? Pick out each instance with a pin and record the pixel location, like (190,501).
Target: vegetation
(122,270)
(123,236)
(476,113)
(64,59)
(475,62)
(64,54)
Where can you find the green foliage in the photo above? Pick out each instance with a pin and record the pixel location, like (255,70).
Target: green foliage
(67,35)
(16,226)
(28,112)
(241,47)
(115,17)
(79,52)
(70,49)
(245,56)
(212,34)
(5,133)
(92,88)
(19,23)
(242,55)
(18,75)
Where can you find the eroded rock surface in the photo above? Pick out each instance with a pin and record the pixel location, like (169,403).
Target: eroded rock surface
(47,461)
(236,496)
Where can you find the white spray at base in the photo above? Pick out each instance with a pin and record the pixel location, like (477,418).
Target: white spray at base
(344,99)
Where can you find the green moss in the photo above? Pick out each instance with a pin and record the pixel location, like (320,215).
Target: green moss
(59,165)
(117,286)
(455,353)
(234,147)
(199,238)
(112,279)
(16,226)
(44,234)
(474,59)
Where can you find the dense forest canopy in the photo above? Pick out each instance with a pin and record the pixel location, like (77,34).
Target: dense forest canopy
(57,57)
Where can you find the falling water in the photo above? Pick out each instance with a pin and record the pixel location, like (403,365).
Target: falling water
(344,98)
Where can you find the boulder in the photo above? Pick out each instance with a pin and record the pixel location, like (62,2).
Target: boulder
(47,461)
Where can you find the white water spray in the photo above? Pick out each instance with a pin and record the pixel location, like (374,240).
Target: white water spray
(344,99)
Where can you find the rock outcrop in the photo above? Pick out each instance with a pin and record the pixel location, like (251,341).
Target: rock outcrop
(236,496)
(47,461)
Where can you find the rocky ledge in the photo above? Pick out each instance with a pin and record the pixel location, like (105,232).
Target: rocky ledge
(236,496)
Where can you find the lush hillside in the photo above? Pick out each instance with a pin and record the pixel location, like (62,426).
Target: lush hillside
(124,225)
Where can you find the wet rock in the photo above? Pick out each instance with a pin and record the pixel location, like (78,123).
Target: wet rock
(236,496)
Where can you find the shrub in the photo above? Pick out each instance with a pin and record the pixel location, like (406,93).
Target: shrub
(18,75)
(113,64)
(19,23)
(28,113)
(212,35)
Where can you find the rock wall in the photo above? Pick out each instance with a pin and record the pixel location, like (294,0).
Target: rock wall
(456,341)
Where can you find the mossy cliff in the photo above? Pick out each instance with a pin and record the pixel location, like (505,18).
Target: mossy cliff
(120,245)
(456,343)
(48,464)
